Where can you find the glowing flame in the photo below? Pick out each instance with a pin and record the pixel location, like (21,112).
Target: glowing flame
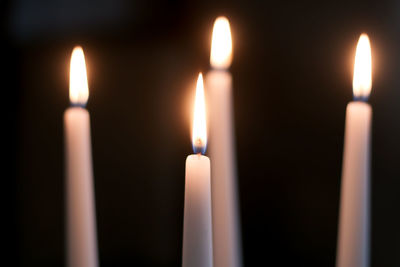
(362,80)
(78,85)
(221,44)
(199,134)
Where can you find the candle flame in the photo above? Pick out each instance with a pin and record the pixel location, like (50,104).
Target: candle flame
(362,80)
(199,134)
(78,85)
(221,44)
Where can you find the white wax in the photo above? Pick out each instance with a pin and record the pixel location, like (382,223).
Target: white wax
(353,236)
(226,232)
(80,205)
(197,228)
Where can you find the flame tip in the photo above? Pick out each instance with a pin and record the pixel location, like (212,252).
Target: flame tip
(220,18)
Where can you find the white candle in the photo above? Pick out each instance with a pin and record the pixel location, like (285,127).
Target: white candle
(80,206)
(197,233)
(226,226)
(353,237)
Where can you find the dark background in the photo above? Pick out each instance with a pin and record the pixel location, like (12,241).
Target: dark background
(292,74)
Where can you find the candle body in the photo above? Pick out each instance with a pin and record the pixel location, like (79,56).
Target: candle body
(226,232)
(353,236)
(80,205)
(197,225)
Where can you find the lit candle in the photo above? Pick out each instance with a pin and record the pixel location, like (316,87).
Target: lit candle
(226,226)
(197,229)
(353,237)
(80,206)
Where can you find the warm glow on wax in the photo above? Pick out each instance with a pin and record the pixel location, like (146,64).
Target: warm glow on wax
(199,134)
(362,80)
(78,85)
(221,44)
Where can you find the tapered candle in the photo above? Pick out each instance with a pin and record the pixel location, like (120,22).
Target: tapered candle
(80,204)
(353,237)
(226,226)
(197,233)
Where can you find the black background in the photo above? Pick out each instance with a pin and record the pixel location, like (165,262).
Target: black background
(292,74)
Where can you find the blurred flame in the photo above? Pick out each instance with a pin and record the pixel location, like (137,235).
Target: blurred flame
(362,80)
(221,44)
(199,133)
(78,85)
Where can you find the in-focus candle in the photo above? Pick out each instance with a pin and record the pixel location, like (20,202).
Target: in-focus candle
(80,203)
(353,236)
(197,226)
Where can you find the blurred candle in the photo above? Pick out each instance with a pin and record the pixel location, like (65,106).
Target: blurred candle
(197,231)
(226,226)
(353,237)
(80,206)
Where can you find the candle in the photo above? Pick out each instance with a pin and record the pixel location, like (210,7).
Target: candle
(353,237)
(197,232)
(80,206)
(226,233)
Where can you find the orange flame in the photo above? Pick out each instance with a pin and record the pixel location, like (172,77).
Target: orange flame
(78,85)
(199,133)
(221,44)
(362,80)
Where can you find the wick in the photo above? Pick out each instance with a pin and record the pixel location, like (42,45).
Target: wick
(78,105)
(198,142)
(361,99)
(198,146)
(221,69)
